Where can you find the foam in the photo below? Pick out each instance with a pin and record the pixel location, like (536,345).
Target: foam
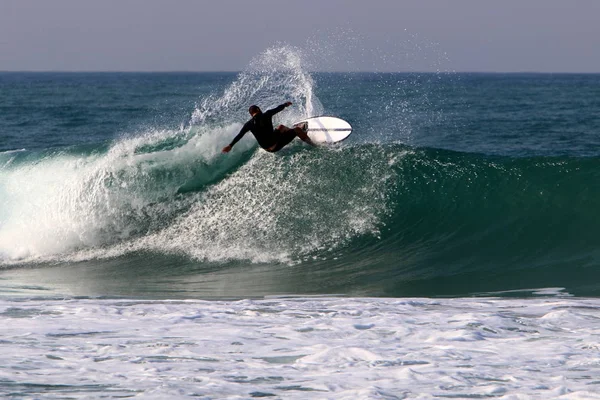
(65,202)
(301,348)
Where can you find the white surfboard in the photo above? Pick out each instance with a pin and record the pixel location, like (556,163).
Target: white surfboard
(326,129)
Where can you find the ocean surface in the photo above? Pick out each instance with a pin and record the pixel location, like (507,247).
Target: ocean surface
(449,248)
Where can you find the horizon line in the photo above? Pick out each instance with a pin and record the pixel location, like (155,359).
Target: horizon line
(332,72)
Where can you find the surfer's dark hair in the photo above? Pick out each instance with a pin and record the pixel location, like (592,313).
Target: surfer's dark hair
(253,109)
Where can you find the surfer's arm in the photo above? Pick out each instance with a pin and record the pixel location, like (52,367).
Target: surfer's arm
(277,109)
(237,138)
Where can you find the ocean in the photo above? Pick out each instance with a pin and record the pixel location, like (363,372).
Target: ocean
(449,248)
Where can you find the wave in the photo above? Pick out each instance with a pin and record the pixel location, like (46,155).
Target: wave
(466,219)
(303,203)
(377,212)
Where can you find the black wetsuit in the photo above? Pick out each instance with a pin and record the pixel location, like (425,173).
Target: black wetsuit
(261,125)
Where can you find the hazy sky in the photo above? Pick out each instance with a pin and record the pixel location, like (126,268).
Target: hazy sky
(203,35)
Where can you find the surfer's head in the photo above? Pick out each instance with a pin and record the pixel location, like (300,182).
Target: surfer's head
(253,110)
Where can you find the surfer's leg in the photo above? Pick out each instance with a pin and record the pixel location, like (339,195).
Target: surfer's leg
(298,131)
(285,136)
(301,133)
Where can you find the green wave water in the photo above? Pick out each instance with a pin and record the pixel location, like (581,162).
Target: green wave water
(368,218)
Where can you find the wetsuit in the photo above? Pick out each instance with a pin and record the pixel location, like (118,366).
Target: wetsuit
(261,125)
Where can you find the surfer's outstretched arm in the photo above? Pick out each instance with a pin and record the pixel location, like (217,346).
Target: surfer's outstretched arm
(237,138)
(277,109)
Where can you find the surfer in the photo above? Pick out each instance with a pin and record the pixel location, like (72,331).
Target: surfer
(261,125)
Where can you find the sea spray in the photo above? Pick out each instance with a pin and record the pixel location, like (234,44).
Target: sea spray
(285,208)
(66,203)
(275,76)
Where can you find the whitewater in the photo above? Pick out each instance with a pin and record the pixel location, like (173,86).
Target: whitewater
(301,348)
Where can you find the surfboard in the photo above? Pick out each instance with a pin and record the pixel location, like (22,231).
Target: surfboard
(325,129)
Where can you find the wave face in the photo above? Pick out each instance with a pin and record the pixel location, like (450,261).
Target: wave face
(496,222)
(385,213)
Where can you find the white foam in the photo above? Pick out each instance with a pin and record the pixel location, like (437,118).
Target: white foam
(64,202)
(301,348)
(12,151)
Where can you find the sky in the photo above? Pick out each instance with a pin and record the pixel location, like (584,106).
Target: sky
(373,35)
